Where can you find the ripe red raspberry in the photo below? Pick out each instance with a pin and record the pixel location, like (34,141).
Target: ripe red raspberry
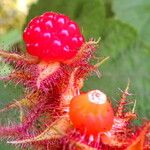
(53,37)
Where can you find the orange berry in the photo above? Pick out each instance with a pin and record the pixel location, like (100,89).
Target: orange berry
(91,112)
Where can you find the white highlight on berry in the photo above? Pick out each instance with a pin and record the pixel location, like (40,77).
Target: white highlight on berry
(47,35)
(72,26)
(74,39)
(31,27)
(36,44)
(97,97)
(28,45)
(49,23)
(37,29)
(66,48)
(81,38)
(37,21)
(61,20)
(57,42)
(65,32)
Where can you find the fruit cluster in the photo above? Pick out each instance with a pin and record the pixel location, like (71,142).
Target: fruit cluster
(53,37)
(55,113)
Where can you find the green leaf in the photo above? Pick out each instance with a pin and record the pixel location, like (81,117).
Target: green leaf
(135,13)
(132,64)
(4,146)
(9,92)
(128,56)
(117,37)
(90,16)
(5,69)
(9,39)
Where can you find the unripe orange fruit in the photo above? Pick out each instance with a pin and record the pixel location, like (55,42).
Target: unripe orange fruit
(91,112)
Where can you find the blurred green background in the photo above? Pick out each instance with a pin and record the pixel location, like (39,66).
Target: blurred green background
(124,28)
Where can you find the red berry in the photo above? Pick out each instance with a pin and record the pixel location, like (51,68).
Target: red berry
(91,113)
(53,37)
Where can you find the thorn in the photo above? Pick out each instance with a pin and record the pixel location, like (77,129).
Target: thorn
(21,110)
(14,104)
(91,139)
(54,131)
(101,62)
(15,56)
(99,39)
(127,88)
(120,90)
(79,145)
(125,93)
(98,73)
(4,78)
(133,109)
(92,41)
(84,48)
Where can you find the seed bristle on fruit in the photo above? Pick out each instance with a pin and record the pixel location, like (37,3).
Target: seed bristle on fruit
(54,111)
